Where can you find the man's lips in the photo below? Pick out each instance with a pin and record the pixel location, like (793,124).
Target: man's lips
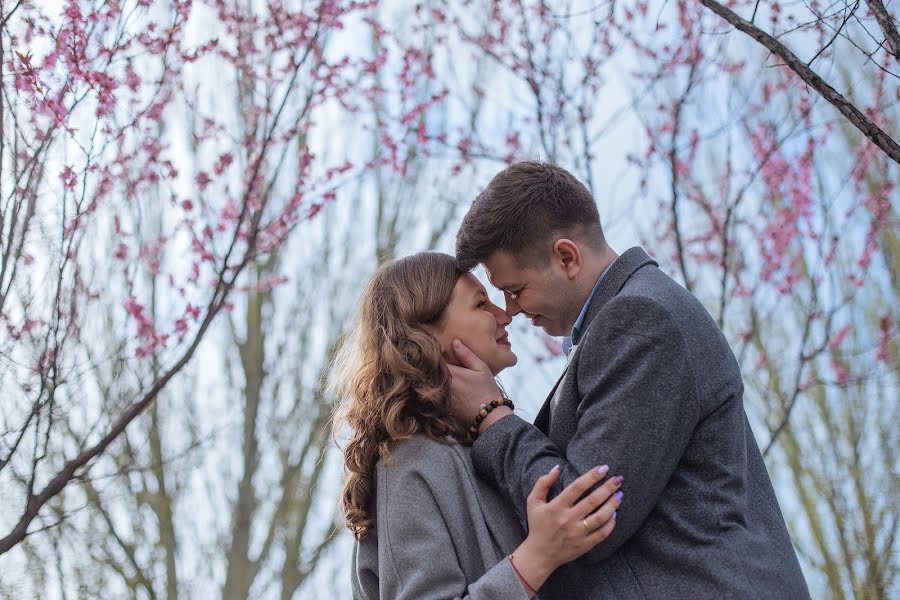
(504,340)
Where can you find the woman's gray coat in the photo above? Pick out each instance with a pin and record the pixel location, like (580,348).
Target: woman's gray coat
(439,531)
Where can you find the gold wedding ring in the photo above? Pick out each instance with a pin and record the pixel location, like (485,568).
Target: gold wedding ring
(586,528)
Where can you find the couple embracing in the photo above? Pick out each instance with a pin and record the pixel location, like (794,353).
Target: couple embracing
(639,478)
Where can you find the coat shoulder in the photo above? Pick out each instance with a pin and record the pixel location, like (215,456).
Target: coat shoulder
(422,455)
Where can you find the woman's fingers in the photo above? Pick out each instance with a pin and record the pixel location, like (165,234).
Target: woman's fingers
(542,486)
(572,492)
(589,503)
(604,514)
(601,533)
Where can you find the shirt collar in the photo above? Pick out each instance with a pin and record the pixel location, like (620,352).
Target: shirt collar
(571,341)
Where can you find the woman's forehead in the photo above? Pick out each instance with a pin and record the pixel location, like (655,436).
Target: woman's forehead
(469,285)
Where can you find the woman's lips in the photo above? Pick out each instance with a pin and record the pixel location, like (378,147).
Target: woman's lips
(504,341)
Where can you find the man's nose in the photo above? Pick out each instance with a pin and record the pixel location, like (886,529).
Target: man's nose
(512,306)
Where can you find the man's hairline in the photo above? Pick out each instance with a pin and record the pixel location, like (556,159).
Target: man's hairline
(520,260)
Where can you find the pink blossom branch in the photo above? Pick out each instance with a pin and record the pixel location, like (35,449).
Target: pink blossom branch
(856,117)
(68,472)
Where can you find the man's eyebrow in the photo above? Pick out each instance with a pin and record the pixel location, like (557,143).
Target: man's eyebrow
(499,287)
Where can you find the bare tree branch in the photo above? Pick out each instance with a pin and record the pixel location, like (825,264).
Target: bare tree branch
(859,120)
(888,27)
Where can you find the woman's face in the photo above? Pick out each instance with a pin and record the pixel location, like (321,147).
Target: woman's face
(478,323)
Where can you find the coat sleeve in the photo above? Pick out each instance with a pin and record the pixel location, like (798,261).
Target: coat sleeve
(420,555)
(637,413)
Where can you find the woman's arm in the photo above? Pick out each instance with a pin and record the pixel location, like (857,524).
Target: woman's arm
(420,556)
(563,529)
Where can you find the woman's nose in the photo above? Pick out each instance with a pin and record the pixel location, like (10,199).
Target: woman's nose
(500,315)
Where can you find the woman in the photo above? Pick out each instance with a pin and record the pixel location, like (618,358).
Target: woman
(425,526)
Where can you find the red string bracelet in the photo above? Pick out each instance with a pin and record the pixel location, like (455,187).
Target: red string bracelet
(531,590)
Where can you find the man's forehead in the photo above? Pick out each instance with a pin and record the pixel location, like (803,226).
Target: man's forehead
(502,270)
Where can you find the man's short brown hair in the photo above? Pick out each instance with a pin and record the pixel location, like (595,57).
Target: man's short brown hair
(524,209)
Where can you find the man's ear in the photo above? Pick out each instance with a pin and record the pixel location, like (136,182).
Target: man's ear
(567,255)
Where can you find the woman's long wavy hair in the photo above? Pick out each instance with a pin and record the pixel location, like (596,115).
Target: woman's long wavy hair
(389,375)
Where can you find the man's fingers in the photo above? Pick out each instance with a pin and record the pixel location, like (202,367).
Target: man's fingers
(542,486)
(467,358)
(456,371)
(589,503)
(570,495)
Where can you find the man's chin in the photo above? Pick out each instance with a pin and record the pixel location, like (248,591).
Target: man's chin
(549,327)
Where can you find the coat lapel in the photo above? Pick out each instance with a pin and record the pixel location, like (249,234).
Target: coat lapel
(501,517)
(542,420)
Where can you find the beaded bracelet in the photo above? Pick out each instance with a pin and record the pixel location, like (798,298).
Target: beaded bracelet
(486,410)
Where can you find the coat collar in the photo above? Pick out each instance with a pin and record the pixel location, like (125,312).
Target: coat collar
(619,272)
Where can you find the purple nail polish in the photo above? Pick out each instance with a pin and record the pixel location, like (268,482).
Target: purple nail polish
(602,471)
(614,515)
(618,496)
(555,468)
(618,479)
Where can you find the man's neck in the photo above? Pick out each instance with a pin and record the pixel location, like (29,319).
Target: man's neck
(594,265)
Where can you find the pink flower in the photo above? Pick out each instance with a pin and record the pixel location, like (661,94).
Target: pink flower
(223,163)
(842,374)
(139,314)
(230,212)
(202,180)
(192,311)
(181,326)
(133,308)
(131,78)
(839,338)
(884,339)
(146,349)
(68,178)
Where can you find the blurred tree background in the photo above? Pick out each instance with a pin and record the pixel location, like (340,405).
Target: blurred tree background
(193,194)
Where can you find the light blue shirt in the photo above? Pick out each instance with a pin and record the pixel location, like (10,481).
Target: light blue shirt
(569,342)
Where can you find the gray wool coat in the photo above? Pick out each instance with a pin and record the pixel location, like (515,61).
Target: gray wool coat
(654,391)
(439,533)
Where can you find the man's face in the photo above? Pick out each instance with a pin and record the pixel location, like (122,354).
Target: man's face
(543,294)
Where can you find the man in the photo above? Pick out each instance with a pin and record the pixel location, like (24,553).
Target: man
(651,389)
